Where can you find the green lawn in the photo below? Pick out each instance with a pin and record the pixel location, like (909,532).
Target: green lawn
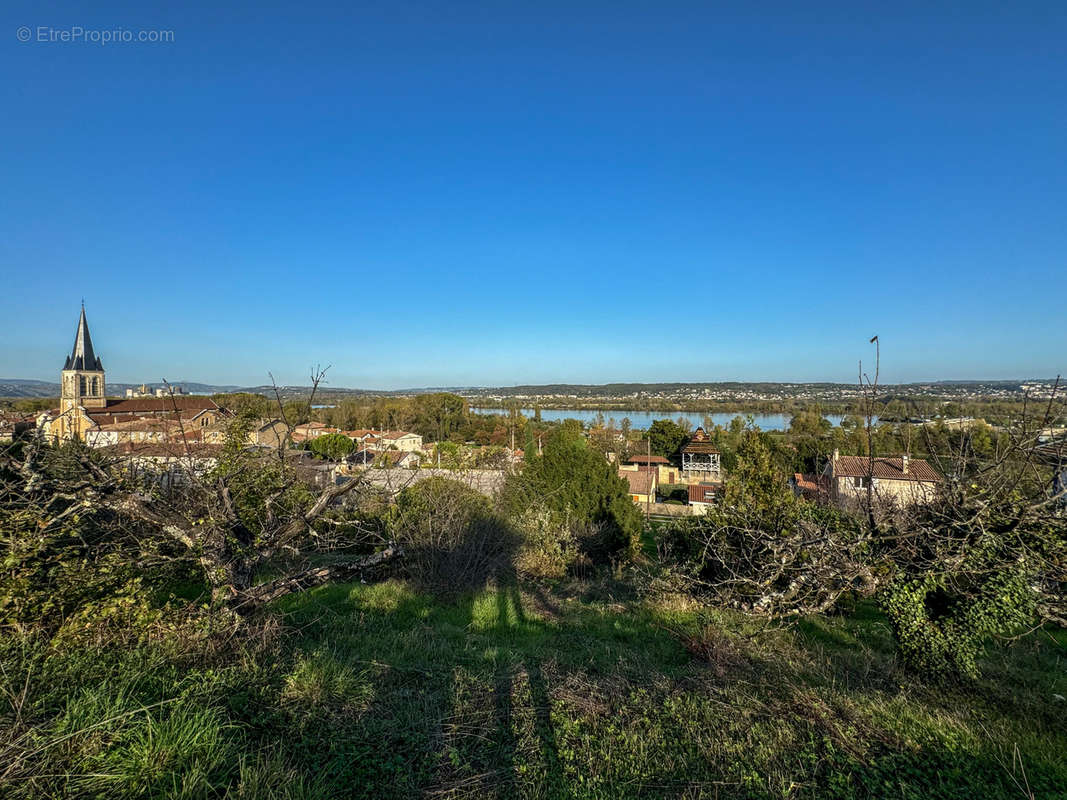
(580,690)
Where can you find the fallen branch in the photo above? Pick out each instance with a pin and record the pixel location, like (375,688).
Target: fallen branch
(312,577)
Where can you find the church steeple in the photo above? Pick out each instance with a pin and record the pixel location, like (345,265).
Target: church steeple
(82,384)
(82,356)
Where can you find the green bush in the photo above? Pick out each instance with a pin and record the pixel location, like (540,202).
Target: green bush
(678,492)
(452,540)
(548,549)
(582,492)
(333,446)
(940,629)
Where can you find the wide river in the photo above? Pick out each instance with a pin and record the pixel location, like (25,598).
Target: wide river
(642,419)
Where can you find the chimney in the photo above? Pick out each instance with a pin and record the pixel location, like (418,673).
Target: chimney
(905,461)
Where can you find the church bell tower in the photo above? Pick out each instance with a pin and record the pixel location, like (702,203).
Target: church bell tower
(83,373)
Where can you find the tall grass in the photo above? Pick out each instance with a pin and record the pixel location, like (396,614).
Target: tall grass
(579,689)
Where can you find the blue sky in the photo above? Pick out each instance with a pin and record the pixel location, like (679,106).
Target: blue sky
(450,194)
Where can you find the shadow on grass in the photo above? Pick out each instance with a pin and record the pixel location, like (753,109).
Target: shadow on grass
(461,701)
(517,691)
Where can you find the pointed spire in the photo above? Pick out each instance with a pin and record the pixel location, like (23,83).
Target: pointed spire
(82,355)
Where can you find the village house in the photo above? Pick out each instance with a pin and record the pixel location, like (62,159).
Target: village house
(386,440)
(641,485)
(400,440)
(702,497)
(85,412)
(384,458)
(899,480)
(359,436)
(164,465)
(307,431)
(665,471)
(267,433)
(13,424)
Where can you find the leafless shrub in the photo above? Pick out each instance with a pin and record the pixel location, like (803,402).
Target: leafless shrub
(452,539)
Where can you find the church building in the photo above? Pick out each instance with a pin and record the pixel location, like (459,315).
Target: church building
(85,411)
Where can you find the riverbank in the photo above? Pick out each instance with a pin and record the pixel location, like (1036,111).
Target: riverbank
(641,420)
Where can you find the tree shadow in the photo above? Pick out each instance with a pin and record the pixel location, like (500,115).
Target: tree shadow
(511,614)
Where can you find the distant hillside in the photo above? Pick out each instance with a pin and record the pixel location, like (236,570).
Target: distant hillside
(16,387)
(20,387)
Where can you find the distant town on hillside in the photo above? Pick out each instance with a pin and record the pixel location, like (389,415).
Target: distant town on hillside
(541,393)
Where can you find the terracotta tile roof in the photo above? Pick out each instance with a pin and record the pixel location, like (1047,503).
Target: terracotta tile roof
(699,443)
(811,487)
(640,482)
(363,433)
(643,459)
(159,405)
(136,424)
(16,416)
(702,492)
(886,469)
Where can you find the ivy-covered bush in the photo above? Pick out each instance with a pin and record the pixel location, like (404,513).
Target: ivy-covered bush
(940,629)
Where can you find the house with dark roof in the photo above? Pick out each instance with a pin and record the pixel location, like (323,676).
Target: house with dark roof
(702,496)
(899,480)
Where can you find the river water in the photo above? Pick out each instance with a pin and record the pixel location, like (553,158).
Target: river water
(642,419)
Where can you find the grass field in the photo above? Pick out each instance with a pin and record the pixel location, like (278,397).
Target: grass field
(577,690)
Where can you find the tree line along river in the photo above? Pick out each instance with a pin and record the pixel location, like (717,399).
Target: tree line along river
(643,419)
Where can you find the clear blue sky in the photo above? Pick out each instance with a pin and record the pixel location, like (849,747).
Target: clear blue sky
(460,193)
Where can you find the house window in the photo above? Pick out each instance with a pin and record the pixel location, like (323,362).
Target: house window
(860,482)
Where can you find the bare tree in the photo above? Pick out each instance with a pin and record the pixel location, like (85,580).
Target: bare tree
(231,519)
(994,517)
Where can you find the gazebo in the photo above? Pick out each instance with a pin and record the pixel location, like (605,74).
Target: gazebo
(700,459)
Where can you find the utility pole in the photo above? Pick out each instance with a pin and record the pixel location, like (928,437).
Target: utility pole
(648,468)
